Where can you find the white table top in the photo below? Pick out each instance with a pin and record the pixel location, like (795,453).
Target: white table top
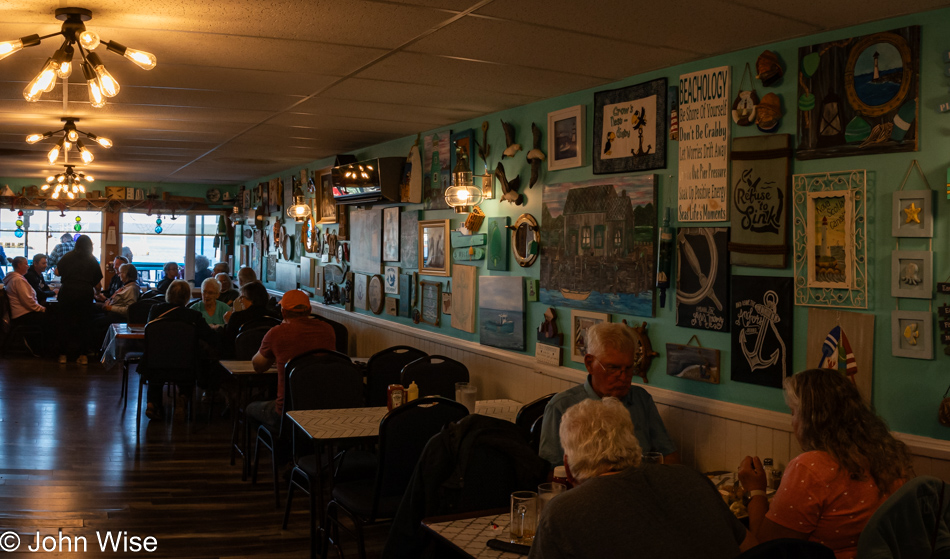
(349,423)
(243,367)
(471,535)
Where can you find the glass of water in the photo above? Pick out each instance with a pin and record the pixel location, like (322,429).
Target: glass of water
(465,393)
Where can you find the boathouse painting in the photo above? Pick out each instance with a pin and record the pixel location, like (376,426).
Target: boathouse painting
(598,245)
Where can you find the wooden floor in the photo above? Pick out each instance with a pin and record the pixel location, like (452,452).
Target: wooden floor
(70,460)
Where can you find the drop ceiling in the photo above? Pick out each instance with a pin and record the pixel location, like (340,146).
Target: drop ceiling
(245,88)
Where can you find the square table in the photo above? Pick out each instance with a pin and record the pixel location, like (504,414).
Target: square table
(469,533)
(121,339)
(243,374)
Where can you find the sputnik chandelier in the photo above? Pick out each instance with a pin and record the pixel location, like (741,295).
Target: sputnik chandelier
(68,183)
(70,137)
(100,82)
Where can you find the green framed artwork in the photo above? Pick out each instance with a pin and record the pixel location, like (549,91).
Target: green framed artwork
(498,243)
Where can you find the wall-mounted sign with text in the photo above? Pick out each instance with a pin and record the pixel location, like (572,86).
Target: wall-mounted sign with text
(704,120)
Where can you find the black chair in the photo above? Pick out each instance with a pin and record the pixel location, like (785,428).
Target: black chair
(262,322)
(788,549)
(138,311)
(403,434)
(318,380)
(170,355)
(270,436)
(9,330)
(153,294)
(530,417)
(248,342)
(913,522)
(341,333)
(435,375)
(385,368)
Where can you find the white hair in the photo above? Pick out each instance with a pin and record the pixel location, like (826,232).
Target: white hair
(598,437)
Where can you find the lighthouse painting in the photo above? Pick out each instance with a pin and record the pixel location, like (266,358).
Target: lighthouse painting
(830,232)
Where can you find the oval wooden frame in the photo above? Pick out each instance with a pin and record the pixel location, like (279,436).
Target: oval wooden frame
(895,102)
(375,283)
(525,219)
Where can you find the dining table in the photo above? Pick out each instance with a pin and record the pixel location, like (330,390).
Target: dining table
(468,533)
(244,377)
(121,339)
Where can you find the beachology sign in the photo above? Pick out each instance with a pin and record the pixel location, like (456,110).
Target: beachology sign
(704,120)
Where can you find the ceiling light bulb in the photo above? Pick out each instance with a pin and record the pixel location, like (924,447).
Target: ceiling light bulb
(72,135)
(95,93)
(104,142)
(64,61)
(88,40)
(82,189)
(41,82)
(86,155)
(108,85)
(33,138)
(49,181)
(60,178)
(56,195)
(67,145)
(144,60)
(88,178)
(53,154)
(71,195)
(9,47)
(65,70)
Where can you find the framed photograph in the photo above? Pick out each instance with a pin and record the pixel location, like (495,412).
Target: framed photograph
(431,302)
(391,280)
(434,251)
(359,291)
(830,221)
(692,362)
(912,334)
(912,274)
(325,201)
(912,213)
(580,322)
(366,246)
(374,294)
(566,138)
(630,128)
(463,145)
(391,234)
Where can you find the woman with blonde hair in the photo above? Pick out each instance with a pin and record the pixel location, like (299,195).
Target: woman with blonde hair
(850,466)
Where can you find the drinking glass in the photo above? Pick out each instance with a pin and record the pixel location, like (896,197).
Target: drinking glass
(546,492)
(653,458)
(524,517)
(465,393)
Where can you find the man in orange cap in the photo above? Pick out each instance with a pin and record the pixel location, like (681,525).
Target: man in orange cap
(296,335)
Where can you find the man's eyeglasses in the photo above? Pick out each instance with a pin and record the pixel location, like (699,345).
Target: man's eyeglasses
(615,370)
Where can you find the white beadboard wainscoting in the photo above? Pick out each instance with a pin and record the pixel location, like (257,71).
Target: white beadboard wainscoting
(711,435)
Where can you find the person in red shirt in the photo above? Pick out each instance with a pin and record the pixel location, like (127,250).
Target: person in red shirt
(296,335)
(850,466)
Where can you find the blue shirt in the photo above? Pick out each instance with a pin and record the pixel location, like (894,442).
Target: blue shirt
(647,423)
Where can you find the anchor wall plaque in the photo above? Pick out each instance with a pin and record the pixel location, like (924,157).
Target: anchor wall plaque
(762,310)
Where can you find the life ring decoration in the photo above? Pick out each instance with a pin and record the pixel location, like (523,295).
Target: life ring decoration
(707,282)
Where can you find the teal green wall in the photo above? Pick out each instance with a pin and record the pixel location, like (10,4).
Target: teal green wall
(906,392)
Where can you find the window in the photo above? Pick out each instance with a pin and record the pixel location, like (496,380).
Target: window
(585,237)
(43,229)
(151,250)
(618,238)
(599,236)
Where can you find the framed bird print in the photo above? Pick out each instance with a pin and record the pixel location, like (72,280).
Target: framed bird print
(630,128)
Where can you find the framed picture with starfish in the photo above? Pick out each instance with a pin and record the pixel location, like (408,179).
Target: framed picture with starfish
(912,214)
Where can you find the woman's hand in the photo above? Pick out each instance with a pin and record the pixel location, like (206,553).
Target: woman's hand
(752,474)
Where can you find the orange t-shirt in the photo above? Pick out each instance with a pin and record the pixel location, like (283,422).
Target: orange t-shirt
(817,497)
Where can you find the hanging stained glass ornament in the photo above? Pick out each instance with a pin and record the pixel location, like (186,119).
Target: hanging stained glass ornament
(78,227)
(19,225)
(158,225)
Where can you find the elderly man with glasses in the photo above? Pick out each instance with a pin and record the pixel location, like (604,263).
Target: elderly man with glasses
(610,355)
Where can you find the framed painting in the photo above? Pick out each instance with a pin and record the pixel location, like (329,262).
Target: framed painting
(436,161)
(594,263)
(580,322)
(431,302)
(434,248)
(343,219)
(326,202)
(408,238)
(501,312)
(630,128)
(830,239)
(693,362)
(843,341)
(391,234)
(702,278)
(912,274)
(391,280)
(566,129)
(860,95)
(830,220)
(367,241)
(359,291)
(912,334)
(912,213)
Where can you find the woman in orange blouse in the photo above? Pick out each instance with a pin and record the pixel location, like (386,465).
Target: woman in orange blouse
(850,466)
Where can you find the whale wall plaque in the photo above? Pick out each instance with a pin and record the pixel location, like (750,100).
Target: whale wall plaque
(762,329)
(761,183)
